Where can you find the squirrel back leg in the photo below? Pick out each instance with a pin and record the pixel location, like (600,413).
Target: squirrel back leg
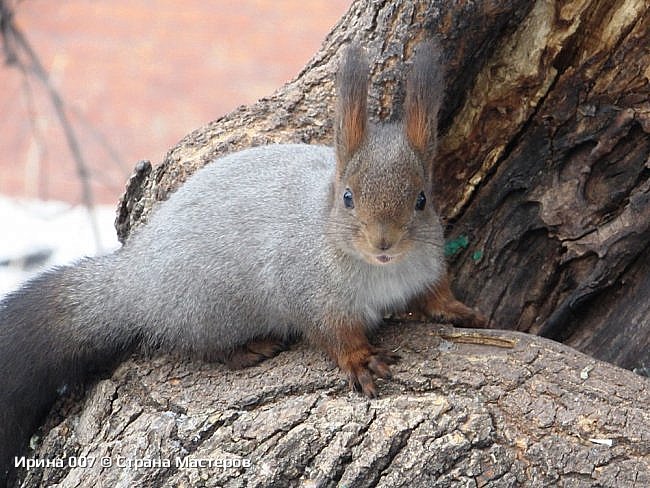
(347,344)
(252,353)
(439,302)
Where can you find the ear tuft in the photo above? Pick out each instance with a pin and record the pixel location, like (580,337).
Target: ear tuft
(424,92)
(351,114)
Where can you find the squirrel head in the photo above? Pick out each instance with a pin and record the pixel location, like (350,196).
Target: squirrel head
(382,191)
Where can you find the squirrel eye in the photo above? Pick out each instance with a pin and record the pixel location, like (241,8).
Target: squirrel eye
(348,201)
(421,201)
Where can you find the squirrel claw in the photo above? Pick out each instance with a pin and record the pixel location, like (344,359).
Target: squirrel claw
(360,372)
(362,381)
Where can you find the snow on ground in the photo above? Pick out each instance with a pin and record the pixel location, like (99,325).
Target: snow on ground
(36,235)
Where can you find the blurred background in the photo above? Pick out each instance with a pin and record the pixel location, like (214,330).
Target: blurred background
(90,87)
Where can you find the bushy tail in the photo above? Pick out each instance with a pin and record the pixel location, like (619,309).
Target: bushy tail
(53,331)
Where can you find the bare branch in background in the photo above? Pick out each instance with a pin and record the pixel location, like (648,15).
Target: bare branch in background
(16,47)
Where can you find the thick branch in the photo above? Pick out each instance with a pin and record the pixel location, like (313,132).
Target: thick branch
(455,413)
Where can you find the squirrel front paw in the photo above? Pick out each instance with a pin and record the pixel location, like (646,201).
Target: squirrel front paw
(440,303)
(460,315)
(345,341)
(361,364)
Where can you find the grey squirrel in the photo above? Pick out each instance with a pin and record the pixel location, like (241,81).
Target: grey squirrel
(260,245)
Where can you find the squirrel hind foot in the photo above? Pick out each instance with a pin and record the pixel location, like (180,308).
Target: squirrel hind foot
(253,353)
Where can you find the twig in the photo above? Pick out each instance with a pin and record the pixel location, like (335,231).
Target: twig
(14,39)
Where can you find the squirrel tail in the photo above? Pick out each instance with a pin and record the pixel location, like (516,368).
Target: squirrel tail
(55,331)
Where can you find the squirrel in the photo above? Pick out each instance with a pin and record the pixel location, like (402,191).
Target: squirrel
(260,245)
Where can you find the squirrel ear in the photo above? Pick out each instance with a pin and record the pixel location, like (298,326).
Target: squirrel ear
(351,113)
(424,92)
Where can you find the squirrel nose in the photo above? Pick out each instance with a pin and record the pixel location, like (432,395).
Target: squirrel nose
(384,245)
(381,241)
(382,237)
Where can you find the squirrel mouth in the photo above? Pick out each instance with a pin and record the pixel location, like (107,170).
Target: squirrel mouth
(384,258)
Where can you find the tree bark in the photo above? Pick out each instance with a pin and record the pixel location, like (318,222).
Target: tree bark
(543,182)
(498,409)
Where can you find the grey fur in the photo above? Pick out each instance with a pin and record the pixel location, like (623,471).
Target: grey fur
(255,244)
(247,234)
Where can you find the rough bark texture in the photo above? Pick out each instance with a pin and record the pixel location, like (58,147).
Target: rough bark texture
(543,179)
(557,212)
(524,411)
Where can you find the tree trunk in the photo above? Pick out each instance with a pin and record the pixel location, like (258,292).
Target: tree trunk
(543,181)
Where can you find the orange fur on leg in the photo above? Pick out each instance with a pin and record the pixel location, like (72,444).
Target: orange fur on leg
(441,303)
(356,357)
